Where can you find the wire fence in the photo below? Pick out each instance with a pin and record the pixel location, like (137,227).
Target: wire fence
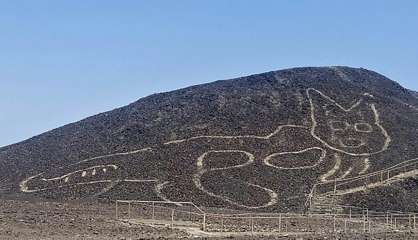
(334,218)
(386,176)
(187,214)
(160,212)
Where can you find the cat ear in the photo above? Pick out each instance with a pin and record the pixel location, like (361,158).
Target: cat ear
(319,100)
(321,103)
(366,107)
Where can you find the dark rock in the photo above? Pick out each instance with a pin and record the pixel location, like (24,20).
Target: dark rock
(264,169)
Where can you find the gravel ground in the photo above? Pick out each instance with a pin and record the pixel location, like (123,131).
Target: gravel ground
(57,220)
(36,219)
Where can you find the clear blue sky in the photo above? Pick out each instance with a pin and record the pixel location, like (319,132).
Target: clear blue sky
(61,61)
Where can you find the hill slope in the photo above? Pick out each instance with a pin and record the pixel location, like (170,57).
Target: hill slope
(259,142)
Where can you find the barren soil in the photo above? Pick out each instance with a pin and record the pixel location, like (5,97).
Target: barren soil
(57,220)
(36,219)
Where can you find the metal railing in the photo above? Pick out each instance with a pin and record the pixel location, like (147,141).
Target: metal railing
(180,213)
(375,179)
(175,214)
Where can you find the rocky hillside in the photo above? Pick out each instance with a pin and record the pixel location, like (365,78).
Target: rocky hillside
(415,94)
(259,142)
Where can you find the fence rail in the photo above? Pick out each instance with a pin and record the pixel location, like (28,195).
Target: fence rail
(386,176)
(176,214)
(348,219)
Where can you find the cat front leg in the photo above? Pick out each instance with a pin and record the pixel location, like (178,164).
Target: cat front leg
(353,167)
(346,174)
(343,167)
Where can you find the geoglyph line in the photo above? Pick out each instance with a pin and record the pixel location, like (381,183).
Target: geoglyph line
(273,195)
(114,155)
(321,158)
(346,173)
(366,166)
(201,171)
(324,177)
(159,190)
(278,129)
(24,187)
(140,180)
(394,167)
(396,178)
(83,172)
(372,107)
(250,156)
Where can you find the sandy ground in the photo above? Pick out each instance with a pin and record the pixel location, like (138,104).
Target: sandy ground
(55,220)
(34,219)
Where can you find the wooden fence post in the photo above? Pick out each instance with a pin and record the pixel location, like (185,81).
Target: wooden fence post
(222,223)
(350,213)
(252,224)
(204,222)
(286,224)
(153,210)
(129,210)
(308,223)
(364,222)
(387,219)
(367,214)
(409,221)
(117,217)
(172,218)
(345,225)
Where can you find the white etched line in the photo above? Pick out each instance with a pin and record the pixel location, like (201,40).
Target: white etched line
(278,129)
(346,173)
(371,106)
(321,158)
(201,170)
(397,166)
(78,171)
(159,190)
(366,166)
(200,166)
(24,187)
(324,177)
(388,139)
(24,184)
(140,180)
(148,149)
(394,179)
(200,160)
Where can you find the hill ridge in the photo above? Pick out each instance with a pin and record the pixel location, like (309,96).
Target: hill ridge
(142,147)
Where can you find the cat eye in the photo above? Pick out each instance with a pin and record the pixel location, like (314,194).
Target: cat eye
(363,127)
(338,125)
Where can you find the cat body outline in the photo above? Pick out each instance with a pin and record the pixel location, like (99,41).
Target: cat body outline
(258,152)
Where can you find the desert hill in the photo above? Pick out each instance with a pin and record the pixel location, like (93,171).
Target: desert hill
(260,142)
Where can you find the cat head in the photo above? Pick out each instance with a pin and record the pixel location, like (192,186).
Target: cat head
(355,131)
